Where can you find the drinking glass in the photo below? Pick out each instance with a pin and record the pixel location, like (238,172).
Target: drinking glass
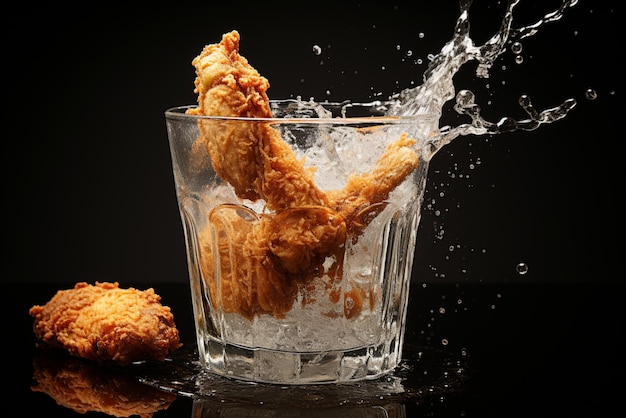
(300,258)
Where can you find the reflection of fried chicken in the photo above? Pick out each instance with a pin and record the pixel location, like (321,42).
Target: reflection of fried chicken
(262,265)
(85,386)
(104,322)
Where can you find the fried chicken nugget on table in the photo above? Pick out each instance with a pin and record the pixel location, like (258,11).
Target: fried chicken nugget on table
(106,323)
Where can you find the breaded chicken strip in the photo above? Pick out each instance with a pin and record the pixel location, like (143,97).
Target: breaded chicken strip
(106,323)
(262,264)
(253,158)
(363,197)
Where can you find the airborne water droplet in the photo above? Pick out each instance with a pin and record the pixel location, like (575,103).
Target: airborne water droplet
(591,94)
(521,268)
(317,50)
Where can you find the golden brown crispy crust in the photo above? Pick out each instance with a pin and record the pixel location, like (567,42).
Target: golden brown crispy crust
(252,157)
(106,323)
(263,264)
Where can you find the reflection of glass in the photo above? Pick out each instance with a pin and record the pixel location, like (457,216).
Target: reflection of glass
(428,383)
(84,386)
(306,286)
(206,408)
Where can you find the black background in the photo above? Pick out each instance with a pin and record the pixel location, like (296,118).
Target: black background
(87,165)
(91,194)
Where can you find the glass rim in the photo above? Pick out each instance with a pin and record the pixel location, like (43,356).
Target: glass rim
(179,113)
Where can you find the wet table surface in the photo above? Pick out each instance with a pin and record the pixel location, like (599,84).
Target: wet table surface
(470,350)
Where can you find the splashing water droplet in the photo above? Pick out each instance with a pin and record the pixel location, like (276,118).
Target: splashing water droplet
(591,94)
(519,59)
(438,87)
(521,268)
(317,50)
(465,98)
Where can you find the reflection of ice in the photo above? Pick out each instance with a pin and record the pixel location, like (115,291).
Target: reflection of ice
(406,385)
(205,408)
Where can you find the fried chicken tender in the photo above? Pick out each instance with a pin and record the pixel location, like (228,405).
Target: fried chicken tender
(264,263)
(85,386)
(253,159)
(362,197)
(106,323)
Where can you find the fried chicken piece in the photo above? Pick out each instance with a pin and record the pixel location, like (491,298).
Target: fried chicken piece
(304,236)
(363,197)
(253,158)
(85,386)
(106,323)
(263,263)
(246,280)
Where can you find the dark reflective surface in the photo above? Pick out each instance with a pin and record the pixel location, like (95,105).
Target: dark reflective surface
(93,197)
(505,350)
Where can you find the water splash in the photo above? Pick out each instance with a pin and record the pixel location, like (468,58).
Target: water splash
(437,88)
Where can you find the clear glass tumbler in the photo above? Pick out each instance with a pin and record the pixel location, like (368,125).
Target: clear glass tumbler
(300,234)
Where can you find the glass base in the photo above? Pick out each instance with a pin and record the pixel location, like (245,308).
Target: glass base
(280,367)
